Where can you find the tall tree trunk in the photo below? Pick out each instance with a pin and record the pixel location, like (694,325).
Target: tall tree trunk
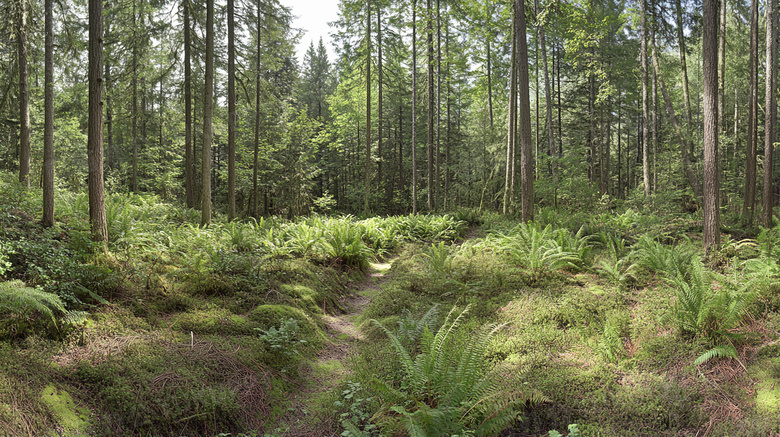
(189,155)
(524,113)
(686,92)
(380,111)
(431,107)
(97,205)
(654,114)
(414,107)
(771,111)
(48,123)
(511,136)
(231,112)
(437,179)
(711,173)
(722,72)
(687,167)
(367,192)
(109,103)
(256,145)
(645,103)
(591,143)
(489,83)
(134,111)
(750,164)
(547,94)
(208,103)
(449,119)
(24,98)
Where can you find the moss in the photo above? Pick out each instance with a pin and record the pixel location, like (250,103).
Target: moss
(267,316)
(213,320)
(307,296)
(768,386)
(73,419)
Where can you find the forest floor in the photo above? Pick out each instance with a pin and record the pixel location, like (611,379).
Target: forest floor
(326,372)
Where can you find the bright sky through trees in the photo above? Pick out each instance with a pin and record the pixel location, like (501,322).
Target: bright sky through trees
(312,17)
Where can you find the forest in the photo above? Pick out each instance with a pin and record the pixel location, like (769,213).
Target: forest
(480,218)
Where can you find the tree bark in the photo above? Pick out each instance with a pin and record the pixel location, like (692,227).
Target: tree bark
(24,98)
(256,144)
(524,113)
(189,158)
(231,112)
(722,72)
(208,103)
(367,193)
(511,136)
(771,111)
(686,92)
(97,206)
(414,107)
(711,174)
(750,164)
(134,111)
(380,107)
(645,103)
(48,123)
(431,108)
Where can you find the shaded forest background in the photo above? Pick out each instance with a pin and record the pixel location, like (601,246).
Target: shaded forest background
(412,114)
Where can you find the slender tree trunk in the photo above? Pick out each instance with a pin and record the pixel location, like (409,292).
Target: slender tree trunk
(560,108)
(524,113)
(645,103)
(722,59)
(109,103)
(547,95)
(686,92)
(414,107)
(449,119)
(231,112)
(592,157)
(24,98)
(367,193)
(711,173)
(48,123)
(189,156)
(771,111)
(380,111)
(489,84)
(750,164)
(687,167)
(256,150)
(431,108)
(437,179)
(511,122)
(619,149)
(97,206)
(654,115)
(134,111)
(208,103)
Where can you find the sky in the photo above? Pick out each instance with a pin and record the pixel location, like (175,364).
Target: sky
(313,17)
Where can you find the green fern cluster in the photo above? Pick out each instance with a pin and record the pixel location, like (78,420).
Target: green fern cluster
(448,388)
(21,301)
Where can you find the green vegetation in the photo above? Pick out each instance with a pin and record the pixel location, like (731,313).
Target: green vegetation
(574,323)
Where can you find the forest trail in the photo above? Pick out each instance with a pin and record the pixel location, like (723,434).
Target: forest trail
(303,416)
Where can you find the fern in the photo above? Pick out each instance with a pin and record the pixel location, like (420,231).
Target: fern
(723,351)
(449,384)
(16,298)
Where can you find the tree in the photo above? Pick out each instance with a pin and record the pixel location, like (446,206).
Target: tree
(48,123)
(24,95)
(189,155)
(366,194)
(524,112)
(97,207)
(431,106)
(750,160)
(208,103)
(231,111)
(645,102)
(711,199)
(414,107)
(771,111)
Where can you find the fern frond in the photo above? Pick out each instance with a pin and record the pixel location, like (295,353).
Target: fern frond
(15,297)
(723,351)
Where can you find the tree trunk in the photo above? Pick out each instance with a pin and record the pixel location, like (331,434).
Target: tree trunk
(97,206)
(437,178)
(109,104)
(48,123)
(645,103)
(750,164)
(524,113)
(414,107)
(24,98)
(380,111)
(511,122)
(134,111)
(722,59)
(256,145)
(208,103)
(189,156)
(547,95)
(686,92)
(687,167)
(367,192)
(231,112)
(431,108)
(711,174)
(771,111)
(489,84)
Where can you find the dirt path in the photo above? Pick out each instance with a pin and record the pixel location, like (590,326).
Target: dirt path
(305,416)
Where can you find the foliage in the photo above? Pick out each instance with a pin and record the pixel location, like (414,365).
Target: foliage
(448,388)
